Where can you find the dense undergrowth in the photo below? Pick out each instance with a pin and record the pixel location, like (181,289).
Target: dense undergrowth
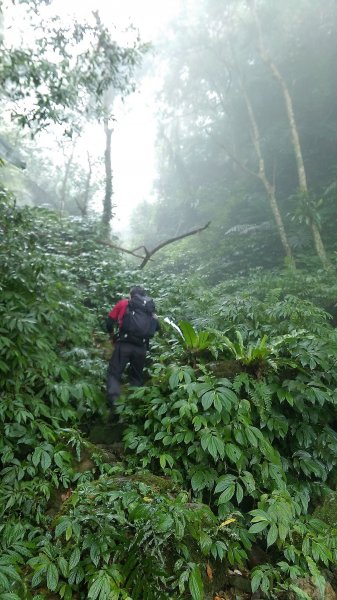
(231,444)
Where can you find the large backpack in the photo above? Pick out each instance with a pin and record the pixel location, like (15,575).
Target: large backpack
(138,321)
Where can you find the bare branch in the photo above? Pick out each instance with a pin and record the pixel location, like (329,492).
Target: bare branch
(103,243)
(170,241)
(139,248)
(150,253)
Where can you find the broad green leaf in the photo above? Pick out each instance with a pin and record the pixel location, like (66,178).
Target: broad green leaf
(52,577)
(258,527)
(96,587)
(272,535)
(74,558)
(233,452)
(189,334)
(61,527)
(36,457)
(207,400)
(224,482)
(45,460)
(63,566)
(256,580)
(239,493)
(195,583)
(227,494)
(163,523)
(205,542)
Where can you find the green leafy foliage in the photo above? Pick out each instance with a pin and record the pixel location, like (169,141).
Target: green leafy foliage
(64,69)
(120,537)
(194,341)
(45,386)
(254,446)
(257,444)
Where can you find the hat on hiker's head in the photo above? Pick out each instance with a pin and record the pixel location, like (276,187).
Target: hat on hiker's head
(137,290)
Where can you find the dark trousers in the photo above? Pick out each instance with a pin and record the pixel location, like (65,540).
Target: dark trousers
(125,353)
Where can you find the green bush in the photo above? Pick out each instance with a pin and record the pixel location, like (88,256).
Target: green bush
(261,445)
(255,447)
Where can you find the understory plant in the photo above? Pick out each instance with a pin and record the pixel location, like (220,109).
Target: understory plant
(260,445)
(129,537)
(245,454)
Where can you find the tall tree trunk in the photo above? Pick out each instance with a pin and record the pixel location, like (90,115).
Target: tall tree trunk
(107,204)
(295,138)
(261,174)
(87,187)
(83,205)
(65,179)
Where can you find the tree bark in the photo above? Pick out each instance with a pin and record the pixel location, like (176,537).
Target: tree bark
(107,204)
(295,138)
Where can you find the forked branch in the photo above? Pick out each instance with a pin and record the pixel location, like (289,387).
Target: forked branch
(149,253)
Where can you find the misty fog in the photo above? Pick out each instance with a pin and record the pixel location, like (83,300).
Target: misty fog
(227,115)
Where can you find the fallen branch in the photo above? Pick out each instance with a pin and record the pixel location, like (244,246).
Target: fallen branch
(150,253)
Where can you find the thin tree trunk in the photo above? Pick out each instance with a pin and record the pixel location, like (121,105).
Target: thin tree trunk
(83,206)
(295,138)
(261,174)
(87,188)
(107,204)
(65,180)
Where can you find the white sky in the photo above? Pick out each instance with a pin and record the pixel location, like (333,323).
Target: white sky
(133,157)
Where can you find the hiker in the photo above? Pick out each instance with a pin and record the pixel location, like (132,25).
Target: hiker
(136,323)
